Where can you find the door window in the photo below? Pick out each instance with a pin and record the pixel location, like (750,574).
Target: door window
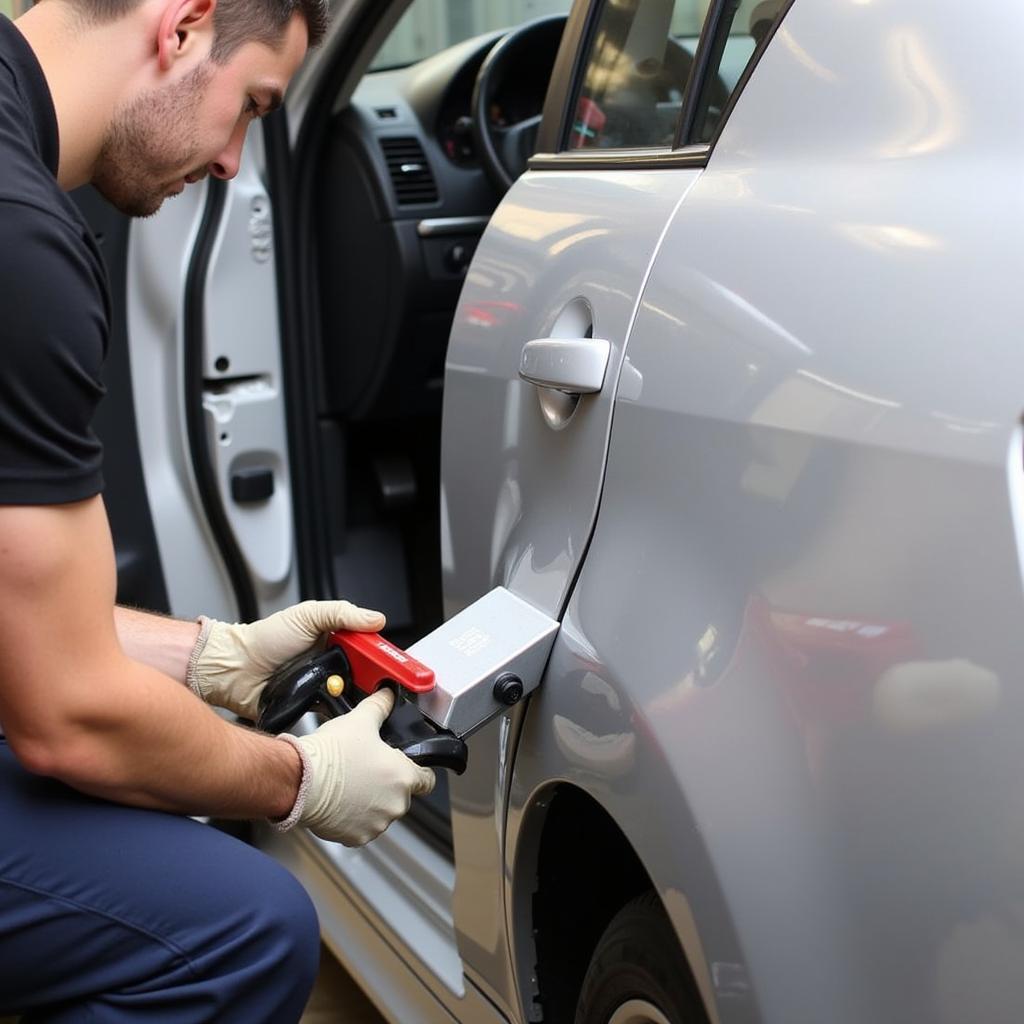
(639,65)
(636,73)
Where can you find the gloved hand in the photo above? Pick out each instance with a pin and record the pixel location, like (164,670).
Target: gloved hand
(353,784)
(230,663)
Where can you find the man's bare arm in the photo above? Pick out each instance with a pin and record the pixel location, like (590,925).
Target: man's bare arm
(76,707)
(161,642)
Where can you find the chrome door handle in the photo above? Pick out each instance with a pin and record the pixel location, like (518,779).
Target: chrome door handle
(574,366)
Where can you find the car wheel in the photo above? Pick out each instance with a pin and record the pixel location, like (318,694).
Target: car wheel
(637,974)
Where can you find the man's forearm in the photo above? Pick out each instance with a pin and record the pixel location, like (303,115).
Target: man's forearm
(155,640)
(151,743)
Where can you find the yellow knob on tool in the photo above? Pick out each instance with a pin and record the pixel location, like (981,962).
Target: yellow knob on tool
(335,684)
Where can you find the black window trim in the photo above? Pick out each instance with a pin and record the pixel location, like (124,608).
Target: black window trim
(617,159)
(755,59)
(579,27)
(558,104)
(698,80)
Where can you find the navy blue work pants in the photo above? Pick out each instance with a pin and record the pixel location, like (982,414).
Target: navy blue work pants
(111,913)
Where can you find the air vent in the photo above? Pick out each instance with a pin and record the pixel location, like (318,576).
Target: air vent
(409,170)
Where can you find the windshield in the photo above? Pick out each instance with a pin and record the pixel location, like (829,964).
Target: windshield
(429,26)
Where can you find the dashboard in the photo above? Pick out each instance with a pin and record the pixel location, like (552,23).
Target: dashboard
(403,198)
(432,101)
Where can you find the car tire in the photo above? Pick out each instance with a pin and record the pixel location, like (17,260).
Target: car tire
(637,974)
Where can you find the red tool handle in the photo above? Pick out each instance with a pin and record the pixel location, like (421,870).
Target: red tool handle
(374,660)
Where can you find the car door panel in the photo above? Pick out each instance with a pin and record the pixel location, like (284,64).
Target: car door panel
(566,254)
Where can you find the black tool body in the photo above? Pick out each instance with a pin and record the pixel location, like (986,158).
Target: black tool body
(311,684)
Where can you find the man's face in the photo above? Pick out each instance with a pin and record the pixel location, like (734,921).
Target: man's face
(194,126)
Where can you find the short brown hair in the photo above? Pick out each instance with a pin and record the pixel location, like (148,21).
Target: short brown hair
(235,22)
(263,21)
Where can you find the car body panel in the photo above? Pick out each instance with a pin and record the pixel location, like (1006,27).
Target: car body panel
(559,257)
(583,731)
(799,706)
(563,254)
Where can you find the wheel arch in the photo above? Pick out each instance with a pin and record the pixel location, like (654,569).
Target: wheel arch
(573,870)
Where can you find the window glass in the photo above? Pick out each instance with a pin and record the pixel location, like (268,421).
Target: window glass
(429,26)
(640,56)
(744,24)
(639,62)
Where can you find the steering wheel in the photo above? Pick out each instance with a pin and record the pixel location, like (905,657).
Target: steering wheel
(504,150)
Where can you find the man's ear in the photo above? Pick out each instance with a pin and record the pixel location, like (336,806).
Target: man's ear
(183,27)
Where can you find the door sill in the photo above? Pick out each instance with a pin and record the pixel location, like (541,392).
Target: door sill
(389,966)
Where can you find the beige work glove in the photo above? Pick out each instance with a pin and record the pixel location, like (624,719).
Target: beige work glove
(353,784)
(230,663)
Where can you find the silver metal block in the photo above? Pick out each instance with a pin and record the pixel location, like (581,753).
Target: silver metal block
(496,635)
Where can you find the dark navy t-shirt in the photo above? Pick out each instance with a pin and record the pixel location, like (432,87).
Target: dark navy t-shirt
(54,304)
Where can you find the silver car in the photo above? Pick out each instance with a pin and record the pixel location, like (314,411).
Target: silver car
(762,459)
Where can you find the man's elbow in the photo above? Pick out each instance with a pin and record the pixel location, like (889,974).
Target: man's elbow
(57,754)
(69,735)
(35,752)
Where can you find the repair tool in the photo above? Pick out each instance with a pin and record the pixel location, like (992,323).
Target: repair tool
(482,661)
